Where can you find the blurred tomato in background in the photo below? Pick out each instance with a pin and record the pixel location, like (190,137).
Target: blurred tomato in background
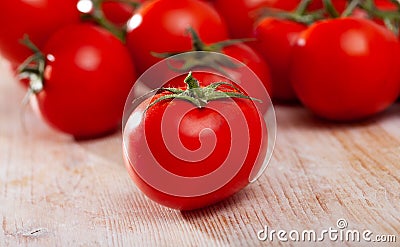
(38,19)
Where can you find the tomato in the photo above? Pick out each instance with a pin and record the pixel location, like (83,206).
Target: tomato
(184,156)
(38,19)
(253,79)
(240,15)
(385,5)
(253,60)
(241,18)
(119,12)
(162,26)
(339,5)
(346,68)
(86,81)
(275,38)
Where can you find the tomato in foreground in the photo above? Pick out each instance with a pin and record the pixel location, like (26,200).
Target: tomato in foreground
(346,68)
(187,153)
(86,81)
(38,19)
(162,26)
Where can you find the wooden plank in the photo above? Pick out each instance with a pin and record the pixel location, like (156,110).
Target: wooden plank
(58,192)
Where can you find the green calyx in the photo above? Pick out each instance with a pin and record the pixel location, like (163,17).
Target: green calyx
(200,96)
(33,67)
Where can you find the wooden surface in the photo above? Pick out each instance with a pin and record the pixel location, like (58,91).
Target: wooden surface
(58,192)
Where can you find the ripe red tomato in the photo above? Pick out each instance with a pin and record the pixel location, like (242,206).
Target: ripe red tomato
(186,157)
(240,15)
(86,81)
(119,12)
(39,19)
(253,60)
(275,39)
(385,5)
(339,5)
(162,26)
(346,68)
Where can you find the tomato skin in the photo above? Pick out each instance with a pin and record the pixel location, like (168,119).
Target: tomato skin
(87,82)
(340,5)
(275,39)
(163,28)
(355,68)
(240,15)
(147,136)
(385,5)
(253,60)
(39,19)
(118,12)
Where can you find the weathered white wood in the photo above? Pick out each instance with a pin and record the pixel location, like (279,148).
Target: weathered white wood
(55,191)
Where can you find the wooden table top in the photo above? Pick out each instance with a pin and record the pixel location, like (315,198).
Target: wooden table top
(55,191)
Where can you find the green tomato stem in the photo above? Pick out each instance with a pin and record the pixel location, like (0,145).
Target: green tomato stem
(191,81)
(351,7)
(302,7)
(331,9)
(98,16)
(200,96)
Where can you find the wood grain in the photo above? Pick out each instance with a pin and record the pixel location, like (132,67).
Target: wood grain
(55,191)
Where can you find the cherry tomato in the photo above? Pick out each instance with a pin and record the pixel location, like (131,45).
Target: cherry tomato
(385,5)
(86,81)
(38,19)
(275,38)
(201,156)
(241,18)
(162,26)
(253,60)
(339,5)
(119,12)
(240,15)
(346,68)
